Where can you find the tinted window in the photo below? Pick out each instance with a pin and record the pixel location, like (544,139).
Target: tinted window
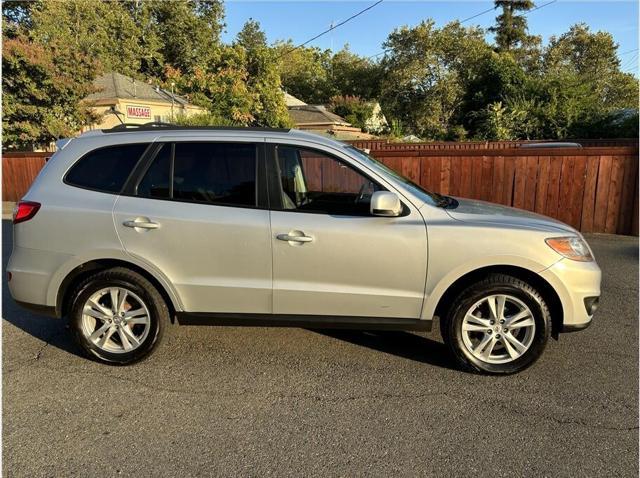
(216,173)
(315,182)
(106,169)
(157,179)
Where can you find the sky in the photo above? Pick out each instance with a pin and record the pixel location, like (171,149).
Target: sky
(301,20)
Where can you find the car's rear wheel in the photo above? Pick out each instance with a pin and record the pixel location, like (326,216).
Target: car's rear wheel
(499,325)
(118,316)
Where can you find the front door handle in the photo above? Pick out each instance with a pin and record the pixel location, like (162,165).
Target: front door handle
(294,238)
(141,223)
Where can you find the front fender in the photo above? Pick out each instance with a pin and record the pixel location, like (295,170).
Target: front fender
(436,287)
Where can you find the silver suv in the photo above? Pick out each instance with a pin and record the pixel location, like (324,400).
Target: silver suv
(126,231)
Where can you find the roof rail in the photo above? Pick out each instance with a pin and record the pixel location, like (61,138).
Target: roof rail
(550,144)
(155,125)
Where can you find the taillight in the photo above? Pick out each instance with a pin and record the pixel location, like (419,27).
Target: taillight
(25,210)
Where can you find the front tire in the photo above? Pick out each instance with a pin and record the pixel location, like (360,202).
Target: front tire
(118,316)
(499,325)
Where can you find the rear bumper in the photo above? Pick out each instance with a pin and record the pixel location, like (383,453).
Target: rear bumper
(31,273)
(577,285)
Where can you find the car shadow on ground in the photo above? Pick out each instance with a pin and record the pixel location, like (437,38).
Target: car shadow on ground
(399,343)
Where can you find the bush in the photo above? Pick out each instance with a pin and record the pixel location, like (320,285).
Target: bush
(355,110)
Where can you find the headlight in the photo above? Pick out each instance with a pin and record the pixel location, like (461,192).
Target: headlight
(571,247)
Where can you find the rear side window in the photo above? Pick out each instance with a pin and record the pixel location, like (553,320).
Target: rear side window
(211,173)
(105,169)
(156,182)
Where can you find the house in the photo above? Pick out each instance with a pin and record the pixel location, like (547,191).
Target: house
(317,119)
(134,101)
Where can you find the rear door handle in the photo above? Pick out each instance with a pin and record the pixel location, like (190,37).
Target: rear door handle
(142,223)
(291,238)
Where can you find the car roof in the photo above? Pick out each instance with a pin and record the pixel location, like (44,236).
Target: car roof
(149,133)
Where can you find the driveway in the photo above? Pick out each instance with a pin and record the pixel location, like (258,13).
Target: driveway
(216,401)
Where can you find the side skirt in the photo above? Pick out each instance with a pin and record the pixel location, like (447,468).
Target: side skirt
(303,321)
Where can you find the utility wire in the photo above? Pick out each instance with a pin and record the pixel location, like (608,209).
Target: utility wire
(628,51)
(475,16)
(629,63)
(478,14)
(461,22)
(538,8)
(333,27)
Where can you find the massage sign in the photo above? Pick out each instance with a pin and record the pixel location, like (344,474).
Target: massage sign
(137,111)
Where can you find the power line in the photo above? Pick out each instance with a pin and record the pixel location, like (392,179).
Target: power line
(538,8)
(628,51)
(333,27)
(461,22)
(478,14)
(629,63)
(475,16)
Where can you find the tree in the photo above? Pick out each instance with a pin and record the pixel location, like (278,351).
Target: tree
(511,28)
(496,78)
(583,82)
(353,75)
(221,88)
(42,91)
(304,72)
(425,72)
(101,30)
(263,79)
(189,29)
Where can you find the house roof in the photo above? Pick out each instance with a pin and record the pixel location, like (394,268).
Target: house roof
(115,85)
(291,100)
(315,115)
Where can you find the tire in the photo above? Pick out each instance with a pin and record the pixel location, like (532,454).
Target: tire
(478,306)
(127,336)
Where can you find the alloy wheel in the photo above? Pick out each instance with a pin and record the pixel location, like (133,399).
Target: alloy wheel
(116,320)
(498,329)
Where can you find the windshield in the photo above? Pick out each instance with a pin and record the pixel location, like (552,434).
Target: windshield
(416,189)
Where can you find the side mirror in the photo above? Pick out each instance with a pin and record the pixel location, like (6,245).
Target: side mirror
(385,203)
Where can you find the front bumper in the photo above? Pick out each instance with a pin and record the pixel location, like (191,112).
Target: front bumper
(577,285)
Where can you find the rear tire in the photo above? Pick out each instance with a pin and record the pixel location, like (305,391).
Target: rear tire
(117,316)
(499,325)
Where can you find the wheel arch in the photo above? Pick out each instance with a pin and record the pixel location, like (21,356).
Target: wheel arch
(80,272)
(549,294)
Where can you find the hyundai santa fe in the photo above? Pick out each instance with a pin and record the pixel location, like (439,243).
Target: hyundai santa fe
(130,230)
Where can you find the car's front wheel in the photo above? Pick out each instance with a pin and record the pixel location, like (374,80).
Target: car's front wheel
(499,325)
(118,316)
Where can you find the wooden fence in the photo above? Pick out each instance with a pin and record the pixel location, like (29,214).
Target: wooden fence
(18,172)
(386,145)
(595,189)
(592,189)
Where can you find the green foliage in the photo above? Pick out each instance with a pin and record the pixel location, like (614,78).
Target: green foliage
(425,70)
(304,72)
(437,83)
(353,109)
(263,79)
(42,92)
(205,119)
(511,28)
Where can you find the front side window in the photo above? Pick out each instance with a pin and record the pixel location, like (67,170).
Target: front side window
(313,181)
(105,169)
(213,173)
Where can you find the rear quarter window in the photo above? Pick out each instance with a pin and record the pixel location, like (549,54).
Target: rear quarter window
(105,169)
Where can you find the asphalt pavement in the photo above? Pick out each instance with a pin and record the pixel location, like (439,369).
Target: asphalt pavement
(215,401)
